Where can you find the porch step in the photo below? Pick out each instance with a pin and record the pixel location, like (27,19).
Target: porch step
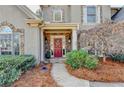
(57,60)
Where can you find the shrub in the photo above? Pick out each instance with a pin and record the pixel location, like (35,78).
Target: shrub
(76,58)
(11,67)
(91,62)
(117,57)
(81,58)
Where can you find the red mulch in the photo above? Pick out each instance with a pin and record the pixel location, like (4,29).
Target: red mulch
(108,71)
(36,78)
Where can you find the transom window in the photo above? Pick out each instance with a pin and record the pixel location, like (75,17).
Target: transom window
(57,15)
(9,41)
(91,14)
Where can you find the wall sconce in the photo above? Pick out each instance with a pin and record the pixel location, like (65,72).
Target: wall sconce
(69,40)
(45,39)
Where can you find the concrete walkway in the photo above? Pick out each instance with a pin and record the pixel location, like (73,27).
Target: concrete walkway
(63,78)
(103,84)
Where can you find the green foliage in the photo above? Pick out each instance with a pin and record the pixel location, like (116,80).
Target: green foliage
(91,62)
(48,55)
(81,58)
(11,67)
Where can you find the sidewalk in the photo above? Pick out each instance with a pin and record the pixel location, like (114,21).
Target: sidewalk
(63,78)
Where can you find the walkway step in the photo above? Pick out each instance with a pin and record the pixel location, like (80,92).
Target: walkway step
(63,78)
(57,60)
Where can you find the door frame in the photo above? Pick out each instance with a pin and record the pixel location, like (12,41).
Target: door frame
(52,37)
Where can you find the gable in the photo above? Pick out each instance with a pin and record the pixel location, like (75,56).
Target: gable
(27,11)
(15,15)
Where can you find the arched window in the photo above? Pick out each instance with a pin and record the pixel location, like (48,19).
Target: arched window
(9,41)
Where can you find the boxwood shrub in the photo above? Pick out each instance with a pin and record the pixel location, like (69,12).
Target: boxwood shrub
(11,67)
(81,58)
(117,57)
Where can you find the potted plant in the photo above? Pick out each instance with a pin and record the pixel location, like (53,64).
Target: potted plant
(48,54)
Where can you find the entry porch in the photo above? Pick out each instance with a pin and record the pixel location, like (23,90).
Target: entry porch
(53,40)
(57,39)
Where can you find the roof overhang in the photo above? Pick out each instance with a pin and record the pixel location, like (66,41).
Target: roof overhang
(34,22)
(45,25)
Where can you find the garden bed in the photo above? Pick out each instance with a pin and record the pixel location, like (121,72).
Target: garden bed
(36,78)
(108,71)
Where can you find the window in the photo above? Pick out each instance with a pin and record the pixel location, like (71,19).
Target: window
(9,41)
(91,14)
(57,15)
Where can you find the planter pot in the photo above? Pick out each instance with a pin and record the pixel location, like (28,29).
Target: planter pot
(102,59)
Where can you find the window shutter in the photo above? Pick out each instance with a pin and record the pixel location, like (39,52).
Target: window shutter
(84,14)
(63,14)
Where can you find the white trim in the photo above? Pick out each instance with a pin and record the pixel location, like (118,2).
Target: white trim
(84,15)
(74,39)
(42,45)
(57,11)
(98,14)
(52,43)
(27,11)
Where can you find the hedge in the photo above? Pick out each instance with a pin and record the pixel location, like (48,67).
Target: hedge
(11,67)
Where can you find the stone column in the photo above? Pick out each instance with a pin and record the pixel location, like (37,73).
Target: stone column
(42,45)
(74,39)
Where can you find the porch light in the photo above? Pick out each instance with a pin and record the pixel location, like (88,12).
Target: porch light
(45,39)
(69,40)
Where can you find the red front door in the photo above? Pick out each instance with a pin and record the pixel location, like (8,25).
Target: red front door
(58,47)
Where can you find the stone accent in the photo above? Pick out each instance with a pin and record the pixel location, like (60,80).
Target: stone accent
(21,31)
(22,40)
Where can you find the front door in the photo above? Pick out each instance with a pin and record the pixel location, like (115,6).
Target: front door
(57,47)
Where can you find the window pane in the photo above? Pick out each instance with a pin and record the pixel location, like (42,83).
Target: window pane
(58,16)
(16,43)
(5,29)
(5,43)
(91,19)
(91,10)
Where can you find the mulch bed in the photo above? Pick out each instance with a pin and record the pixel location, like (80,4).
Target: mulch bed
(36,78)
(108,71)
